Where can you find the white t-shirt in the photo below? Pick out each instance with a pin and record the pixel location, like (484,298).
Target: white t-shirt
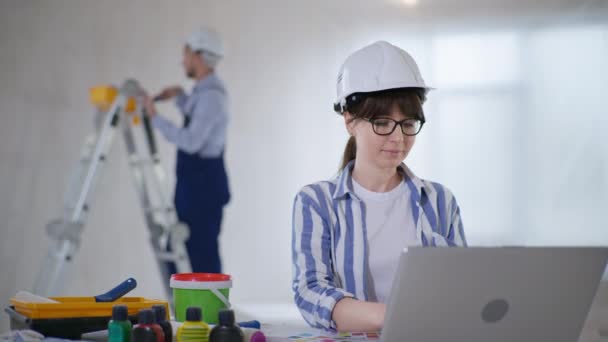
(390,229)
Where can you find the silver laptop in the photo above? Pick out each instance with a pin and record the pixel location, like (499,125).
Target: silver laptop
(523,294)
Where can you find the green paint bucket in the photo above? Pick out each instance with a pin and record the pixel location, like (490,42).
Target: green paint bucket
(208,291)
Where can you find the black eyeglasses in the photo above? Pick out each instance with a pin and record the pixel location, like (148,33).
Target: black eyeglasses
(386,126)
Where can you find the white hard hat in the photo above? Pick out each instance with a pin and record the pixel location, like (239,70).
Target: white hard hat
(376,67)
(206,39)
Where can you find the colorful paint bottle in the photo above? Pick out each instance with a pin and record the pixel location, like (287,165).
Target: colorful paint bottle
(147,330)
(119,327)
(193,329)
(161,319)
(253,335)
(226,330)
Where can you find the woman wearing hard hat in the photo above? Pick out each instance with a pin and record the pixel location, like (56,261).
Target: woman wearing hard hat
(348,232)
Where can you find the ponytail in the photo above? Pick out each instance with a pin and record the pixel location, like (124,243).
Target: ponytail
(350,152)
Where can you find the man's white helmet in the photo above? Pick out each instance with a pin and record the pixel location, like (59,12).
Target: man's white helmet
(376,67)
(207,40)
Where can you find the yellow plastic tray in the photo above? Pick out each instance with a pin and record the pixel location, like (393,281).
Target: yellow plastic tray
(82,307)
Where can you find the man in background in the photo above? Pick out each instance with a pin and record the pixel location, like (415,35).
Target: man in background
(202,184)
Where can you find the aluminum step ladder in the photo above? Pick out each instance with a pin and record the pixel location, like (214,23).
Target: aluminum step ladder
(116,109)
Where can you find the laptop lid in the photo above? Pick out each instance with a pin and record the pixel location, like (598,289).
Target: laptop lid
(525,294)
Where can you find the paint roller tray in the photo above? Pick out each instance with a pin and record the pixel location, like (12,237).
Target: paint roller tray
(66,328)
(72,316)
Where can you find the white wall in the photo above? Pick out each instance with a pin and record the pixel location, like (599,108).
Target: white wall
(523,125)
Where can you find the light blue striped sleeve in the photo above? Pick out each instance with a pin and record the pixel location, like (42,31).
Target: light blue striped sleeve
(315,292)
(455,234)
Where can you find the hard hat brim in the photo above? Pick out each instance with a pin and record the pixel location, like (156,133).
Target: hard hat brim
(352,99)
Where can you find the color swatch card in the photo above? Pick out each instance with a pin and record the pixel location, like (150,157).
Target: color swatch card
(340,337)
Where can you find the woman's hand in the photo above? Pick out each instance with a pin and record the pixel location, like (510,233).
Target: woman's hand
(355,315)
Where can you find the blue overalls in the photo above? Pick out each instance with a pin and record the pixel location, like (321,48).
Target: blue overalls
(200,195)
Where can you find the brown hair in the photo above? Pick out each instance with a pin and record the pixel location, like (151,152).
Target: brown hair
(407,100)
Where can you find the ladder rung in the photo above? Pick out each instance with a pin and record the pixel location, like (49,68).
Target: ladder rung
(160,210)
(142,162)
(169,256)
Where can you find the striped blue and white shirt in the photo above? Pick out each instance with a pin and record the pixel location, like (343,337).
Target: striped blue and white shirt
(329,242)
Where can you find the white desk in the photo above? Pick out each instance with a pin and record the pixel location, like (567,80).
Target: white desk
(280,321)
